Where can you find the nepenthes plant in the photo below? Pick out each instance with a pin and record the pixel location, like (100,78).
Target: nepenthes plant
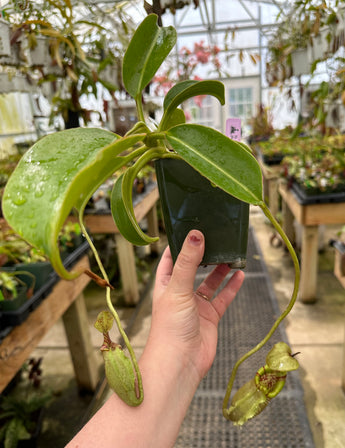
(62,170)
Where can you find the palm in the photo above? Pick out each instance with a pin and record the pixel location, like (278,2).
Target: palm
(190,321)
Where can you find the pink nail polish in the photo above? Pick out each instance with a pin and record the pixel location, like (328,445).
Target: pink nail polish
(194,240)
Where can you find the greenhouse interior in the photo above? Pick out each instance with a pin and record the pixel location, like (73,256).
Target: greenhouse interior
(214,128)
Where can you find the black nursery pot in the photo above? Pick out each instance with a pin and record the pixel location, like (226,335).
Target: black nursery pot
(41,270)
(14,304)
(189,201)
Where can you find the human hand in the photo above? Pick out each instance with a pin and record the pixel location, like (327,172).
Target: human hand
(179,352)
(183,318)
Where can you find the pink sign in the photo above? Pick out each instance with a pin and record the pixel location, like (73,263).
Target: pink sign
(233,128)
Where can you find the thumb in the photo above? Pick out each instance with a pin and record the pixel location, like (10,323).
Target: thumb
(188,260)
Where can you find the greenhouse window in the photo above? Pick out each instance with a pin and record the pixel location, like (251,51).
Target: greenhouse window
(241,102)
(202,115)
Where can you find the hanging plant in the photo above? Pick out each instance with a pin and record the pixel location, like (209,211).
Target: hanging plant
(62,171)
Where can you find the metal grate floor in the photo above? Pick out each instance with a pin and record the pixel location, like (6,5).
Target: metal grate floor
(284,423)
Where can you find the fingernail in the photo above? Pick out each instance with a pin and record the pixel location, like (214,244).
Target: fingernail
(194,239)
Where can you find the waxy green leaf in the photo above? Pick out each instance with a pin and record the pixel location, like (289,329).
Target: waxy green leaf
(122,201)
(59,172)
(177,117)
(246,147)
(184,90)
(123,213)
(148,48)
(177,89)
(221,160)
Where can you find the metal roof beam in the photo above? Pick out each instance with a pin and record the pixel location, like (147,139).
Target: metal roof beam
(262,27)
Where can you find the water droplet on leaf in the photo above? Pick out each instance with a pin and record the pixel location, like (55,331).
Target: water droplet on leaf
(19,199)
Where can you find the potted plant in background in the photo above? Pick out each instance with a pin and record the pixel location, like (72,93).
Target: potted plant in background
(70,237)
(273,150)
(261,123)
(13,291)
(17,256)
(67,167)
(291,48)
(312,32)
(22,410)
(82,43)
(316,173)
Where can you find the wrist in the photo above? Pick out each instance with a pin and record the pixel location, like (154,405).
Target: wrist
(170,364)
(169,383)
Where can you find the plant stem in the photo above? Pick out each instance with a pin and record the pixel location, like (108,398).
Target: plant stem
(292,252)
(110,305)
(139,104)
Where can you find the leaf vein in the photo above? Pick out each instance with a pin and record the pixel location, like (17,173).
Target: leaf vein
(226,173)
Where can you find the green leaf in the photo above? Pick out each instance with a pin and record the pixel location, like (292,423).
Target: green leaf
(122,201)
(244,146)
(176,90)
(221,160)
(15,431)
(123,213)
(149,46)
(59,172)
(184,90)
(177,117)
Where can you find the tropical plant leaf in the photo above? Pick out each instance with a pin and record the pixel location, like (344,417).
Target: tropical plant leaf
(123,214)
(184,90)
(149,46)
(244,146)
(122,201)
(177,117)
(176,90)
(59,172)
(221,160)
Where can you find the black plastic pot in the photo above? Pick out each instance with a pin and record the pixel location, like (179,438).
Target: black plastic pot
(42,271)
(11,318)
(189,201)
(274,159)
(14,304)
(307,196)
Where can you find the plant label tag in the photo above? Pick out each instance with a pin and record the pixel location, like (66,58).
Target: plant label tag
(233,128)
